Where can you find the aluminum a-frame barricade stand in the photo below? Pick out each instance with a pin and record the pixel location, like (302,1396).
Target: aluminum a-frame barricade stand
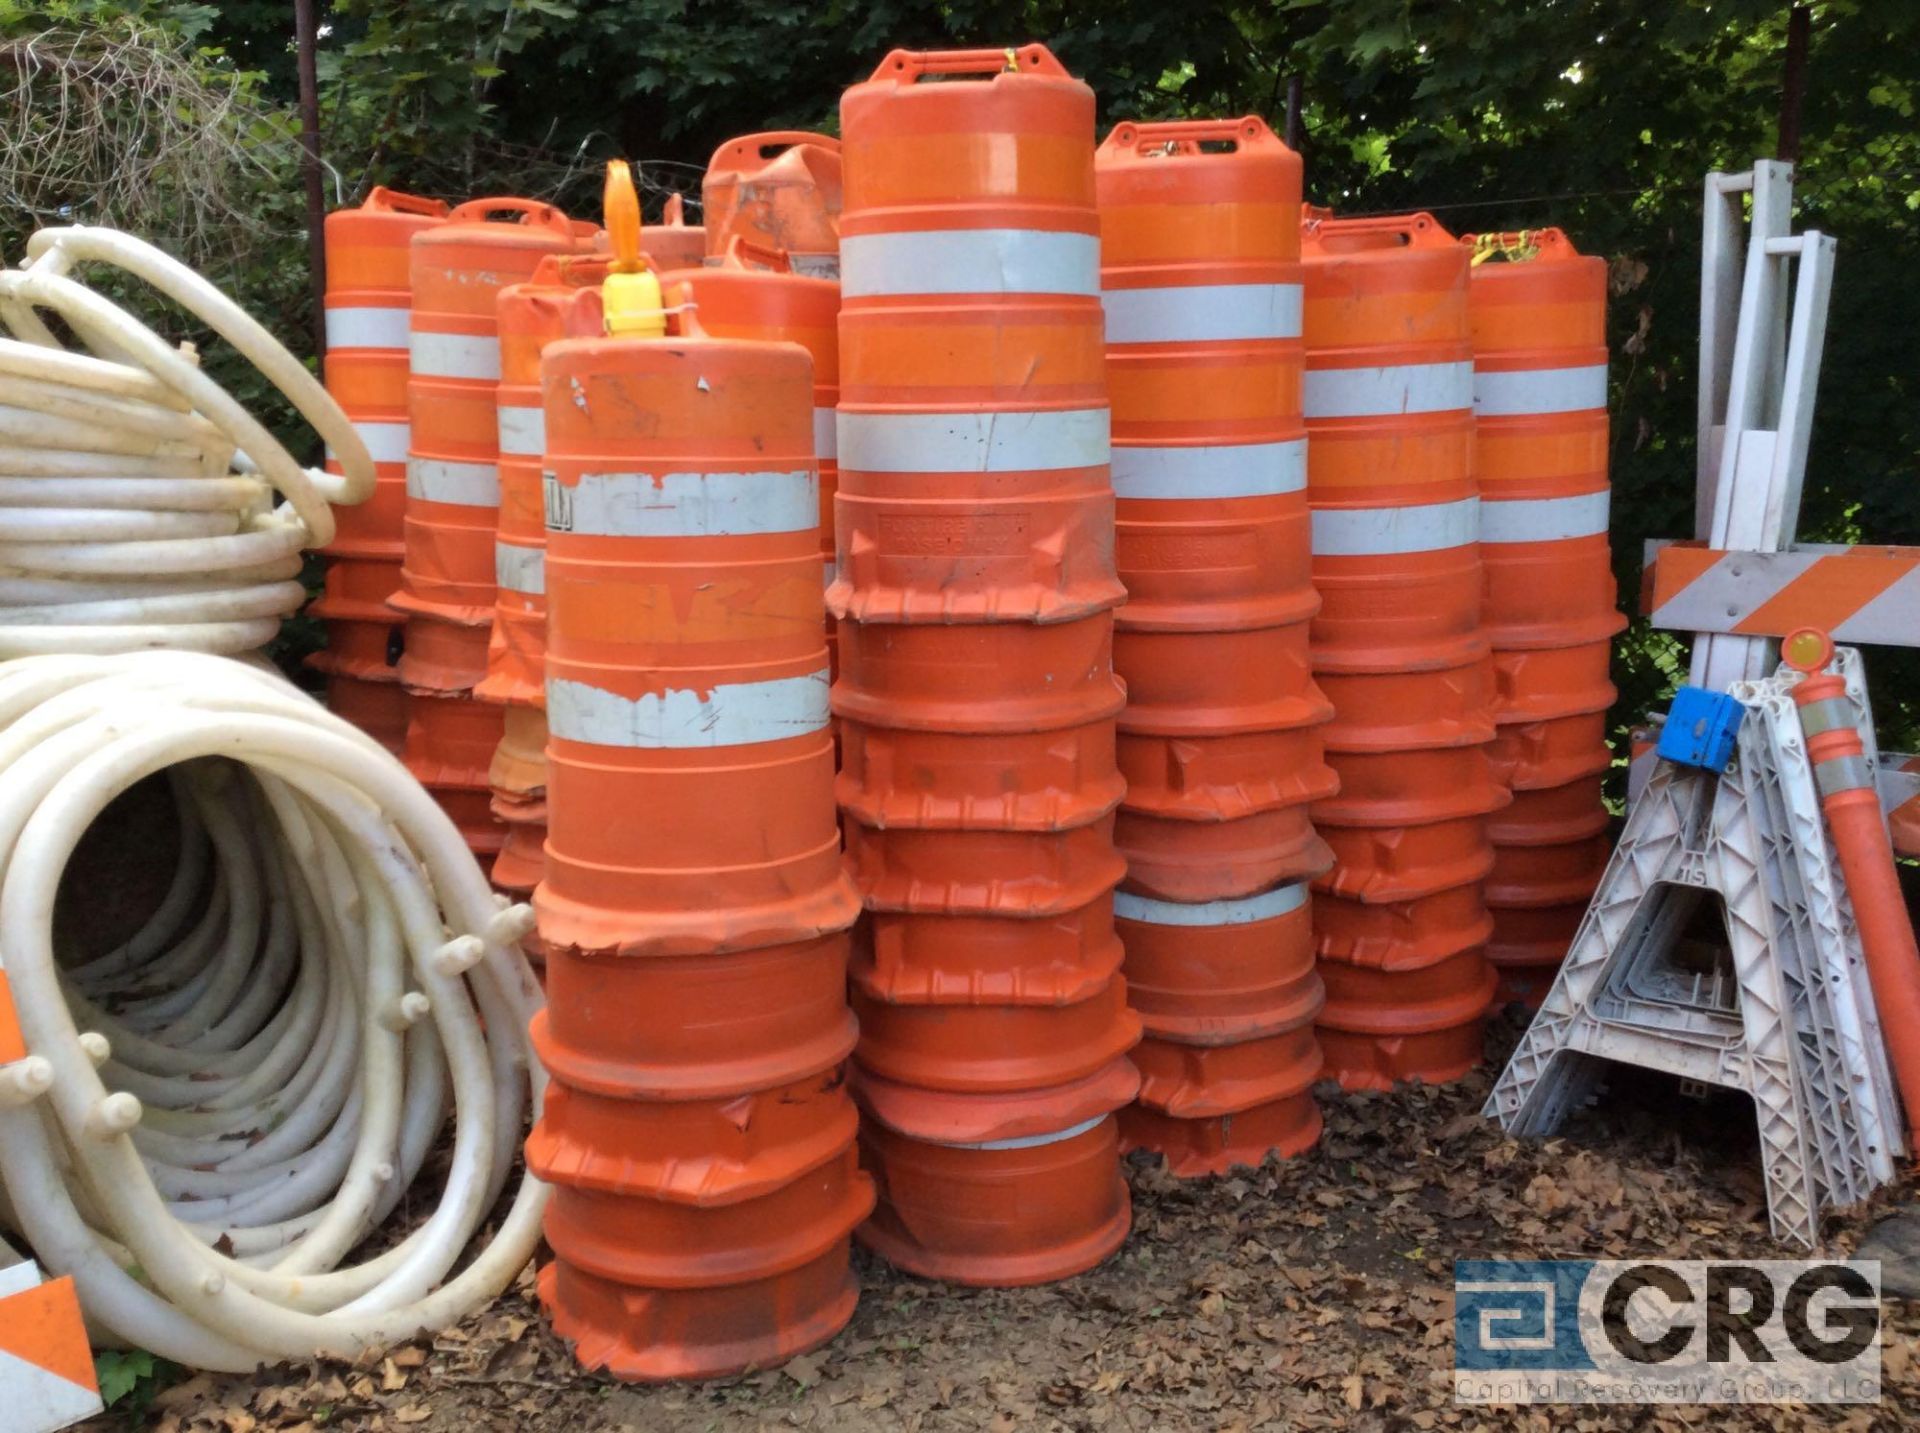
(1789,1021)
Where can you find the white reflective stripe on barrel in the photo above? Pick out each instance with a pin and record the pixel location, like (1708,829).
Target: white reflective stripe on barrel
(728,714)
(455,355)
(467,485)
(356,326)
(685,504)
(970,261)
(520,569)
(1244,911)
(523,431)
(1380,532)
(1543,519)
(1202,313)
(826,436)
(1028,1141)
(977,442)
(1387,392)
(1508,393)
(1247,470)
(386,442)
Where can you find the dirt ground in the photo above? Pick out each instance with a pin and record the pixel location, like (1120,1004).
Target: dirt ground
(1311,1294)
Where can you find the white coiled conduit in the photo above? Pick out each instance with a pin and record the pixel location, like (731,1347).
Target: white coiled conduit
(137,496)
(215,1114)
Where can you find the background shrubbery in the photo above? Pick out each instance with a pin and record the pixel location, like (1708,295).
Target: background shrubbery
(1600,116)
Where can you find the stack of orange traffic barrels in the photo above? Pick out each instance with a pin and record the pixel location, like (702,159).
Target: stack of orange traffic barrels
(780,190)
(1539,311)
(367,302)
(753,293)
(976,700)
(1200,225)
(448,587)
(698,1134)
(531,316)
(1400,649)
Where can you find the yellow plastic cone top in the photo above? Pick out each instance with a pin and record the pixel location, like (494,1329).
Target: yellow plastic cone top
(631,293)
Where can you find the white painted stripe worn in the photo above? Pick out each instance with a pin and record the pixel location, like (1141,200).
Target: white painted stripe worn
(1514,393)
(1245,911)
(367,327)
(1387,392)
(467,485)
(685,504)
(969,261)
(1543,519)
(1380,532)
(990,442)
(1029,1141)
(1247,470)
(455,355)
(826,435)
(386,442)
(1202,313)
(520,569)
(523,431)
(729,714)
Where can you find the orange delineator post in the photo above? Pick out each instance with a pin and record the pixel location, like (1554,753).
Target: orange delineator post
(1399,648)
(1219,741)
(1849,801)
(974,594)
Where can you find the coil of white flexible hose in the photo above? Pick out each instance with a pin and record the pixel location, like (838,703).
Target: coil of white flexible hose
(137,496)
(210,1117)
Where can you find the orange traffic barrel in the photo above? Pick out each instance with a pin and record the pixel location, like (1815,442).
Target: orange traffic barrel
(1379,864)
(1551,813)
(1528,945)
(379,708)
(453,485)
(973,423)
(1538,310)
(363,632)
(368,300)
(997,1191)
(449,743)
(530,316)
(1389,408)
(1228,992)
(1549,874)
(1209,973)
(689,762)
(1381,1027)
(1533,684)
(655,1292)
(1208,1108)
(756,292)
(1530,755)
(1406,934)
(673,243)
(1409,711)
(778,190)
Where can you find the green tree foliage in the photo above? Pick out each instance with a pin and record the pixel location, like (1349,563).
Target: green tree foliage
(1599,116)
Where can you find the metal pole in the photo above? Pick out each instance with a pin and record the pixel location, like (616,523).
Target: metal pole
(306,40)
(1793,83)
(1296,122)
